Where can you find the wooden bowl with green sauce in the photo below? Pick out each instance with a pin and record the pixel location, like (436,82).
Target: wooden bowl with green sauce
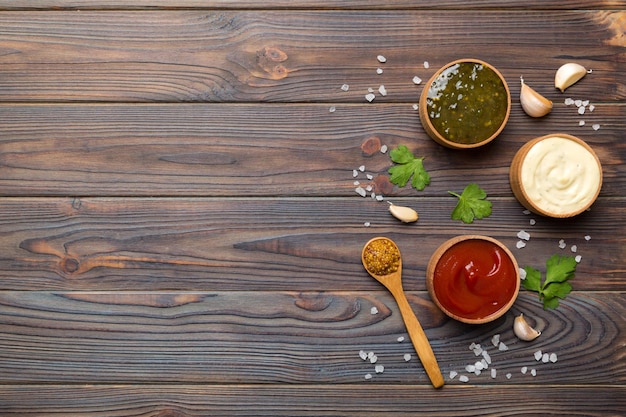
(465,104)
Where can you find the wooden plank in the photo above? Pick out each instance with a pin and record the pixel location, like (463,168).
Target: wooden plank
(271,244)
(292,56)
(248,150)
(308,4)
(363,399)
(289,337)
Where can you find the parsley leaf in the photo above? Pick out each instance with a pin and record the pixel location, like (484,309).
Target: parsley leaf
(559,269)
(472,204)
(408,166)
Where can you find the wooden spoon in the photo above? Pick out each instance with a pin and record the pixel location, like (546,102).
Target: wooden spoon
(393,282)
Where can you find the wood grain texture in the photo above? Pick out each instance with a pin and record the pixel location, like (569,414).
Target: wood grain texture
(271,244)
(294,56)
(244,150)
(295,338)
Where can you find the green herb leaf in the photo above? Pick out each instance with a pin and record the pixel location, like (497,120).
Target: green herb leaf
(472,204)
(408,166)
(559,269)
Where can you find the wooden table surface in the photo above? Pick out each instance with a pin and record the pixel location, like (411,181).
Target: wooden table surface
(180,233)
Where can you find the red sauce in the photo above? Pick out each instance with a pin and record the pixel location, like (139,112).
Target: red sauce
(474,279)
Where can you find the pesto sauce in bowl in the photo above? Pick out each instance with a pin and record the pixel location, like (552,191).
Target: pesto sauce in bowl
(467,102)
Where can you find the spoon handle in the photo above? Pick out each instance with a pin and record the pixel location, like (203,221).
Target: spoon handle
(419,339)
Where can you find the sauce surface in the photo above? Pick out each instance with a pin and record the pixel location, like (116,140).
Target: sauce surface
(560,175)
(467,102)
(474,279)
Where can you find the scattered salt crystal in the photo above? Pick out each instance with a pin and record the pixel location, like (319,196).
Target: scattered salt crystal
(527,212)
(417,80)
(495,340)
(382,90)
(367,224)
(585,103)
(407,357)
(453,374)
(524,369)
(562,244)
(508,376)
(383,149)
(374,359)
(522,273)
(369,176)
(360,191)
(524,235)
(379,71)
(545,358)
(374,310)
(400,339)
(354,173)
(477,372)
(581,123)
(553,357)
(368,376)
(472,346)
(520,244)
(379,369)
(538,355)
(502,347)
(370,90)
(595,126)
(362,168)
(332,109)
(345,87)
(368,188)
(370,97)
(591,108)
(356,183)
(578,258)
(486,357)
(373,195)
(381,58)
(569,101)
(426,64)
(578,103)
(587,237)
(478,350)
(463,378)
(370,355)
(533,372)
(415,107)
(363,354)
(379,197)
(493,373)
(574,248)
(581,110)
(532,222)
(479,366)
(470,368)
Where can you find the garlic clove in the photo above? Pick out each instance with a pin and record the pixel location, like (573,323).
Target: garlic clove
(533,103)
(404,214)
(568,74)
(523,330)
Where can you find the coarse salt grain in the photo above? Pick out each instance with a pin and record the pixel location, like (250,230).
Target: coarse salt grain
(526,212)
(374,359)
(569,101)
(367,224)
(508,376)
(360,191)
(545,358)
(502,347)
(538,355)
(356,183)
(426,64)
(417,80)
(381,58)
(574,248)
(522,274)
(533,372)
(400,339)
(486,357)
(595,126)
(581,123)
(520,244)
(415,107)
(591,108)
(370,355)
(524,369)
(578,258)
(368,376)
(379,197)
(379,71)
(495,340)
(470,368)
(562,244)
(578,103)
(587,237)
(370,97)
(379,369)
(383,149)
(407,357)
(553,357)
(382,90)
(493,373)
(581,110)
(355,173)
(332,109)
(345,87)
(369,176)
(362,168)
(374,310)
(532,222)
(453,374)
(524,235)
(363,354)
(463,378)
(368,188)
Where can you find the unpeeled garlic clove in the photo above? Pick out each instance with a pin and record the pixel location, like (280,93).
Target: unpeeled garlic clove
(404,214)
(523,330)
(568,74)
(533,103)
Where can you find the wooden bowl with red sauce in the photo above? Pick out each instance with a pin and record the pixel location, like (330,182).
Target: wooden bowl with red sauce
(473,279)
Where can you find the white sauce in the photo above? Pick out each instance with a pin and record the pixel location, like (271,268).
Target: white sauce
(560,176)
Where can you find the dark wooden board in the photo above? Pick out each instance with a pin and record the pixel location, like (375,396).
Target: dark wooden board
(271,244)
(297,338)
(293,56)
(246,150)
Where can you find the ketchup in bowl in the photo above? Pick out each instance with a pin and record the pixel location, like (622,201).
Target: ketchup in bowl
(473,279)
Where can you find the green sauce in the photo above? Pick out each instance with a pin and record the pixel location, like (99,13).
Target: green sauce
(467,102)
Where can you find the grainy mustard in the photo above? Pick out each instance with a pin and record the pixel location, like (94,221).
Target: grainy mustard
(381,257)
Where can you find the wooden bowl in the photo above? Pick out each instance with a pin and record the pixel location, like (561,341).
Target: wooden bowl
(465,104)
(473,279)
(556,175)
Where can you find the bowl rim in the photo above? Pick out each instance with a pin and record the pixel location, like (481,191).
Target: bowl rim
(519,191)
(434,261)
(434,133)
